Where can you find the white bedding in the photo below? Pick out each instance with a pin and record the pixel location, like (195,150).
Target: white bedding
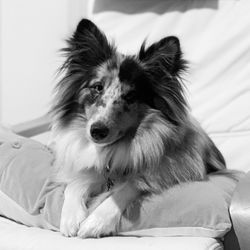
(19,237)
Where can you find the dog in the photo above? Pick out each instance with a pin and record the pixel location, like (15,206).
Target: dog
(122,130)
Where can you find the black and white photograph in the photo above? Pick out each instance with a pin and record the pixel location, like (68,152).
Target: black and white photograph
(125,124)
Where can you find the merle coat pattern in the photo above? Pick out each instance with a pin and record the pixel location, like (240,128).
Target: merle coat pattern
(122,120)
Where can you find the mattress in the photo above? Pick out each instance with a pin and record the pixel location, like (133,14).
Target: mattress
(19,237)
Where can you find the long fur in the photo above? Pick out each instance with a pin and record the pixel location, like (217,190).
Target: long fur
(161,144)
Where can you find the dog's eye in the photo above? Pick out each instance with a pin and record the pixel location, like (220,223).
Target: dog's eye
(98,87)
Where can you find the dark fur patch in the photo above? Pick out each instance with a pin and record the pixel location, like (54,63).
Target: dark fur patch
(126,108)
(129,70)
(132,73)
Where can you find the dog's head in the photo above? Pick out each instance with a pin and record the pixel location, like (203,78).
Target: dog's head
(108,93)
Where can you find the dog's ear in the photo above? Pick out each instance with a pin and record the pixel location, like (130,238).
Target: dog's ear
(164,55)
(163,64)
(88,46)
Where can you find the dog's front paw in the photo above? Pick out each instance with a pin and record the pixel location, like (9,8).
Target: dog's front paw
(71,219)
(101,222)
(96,226)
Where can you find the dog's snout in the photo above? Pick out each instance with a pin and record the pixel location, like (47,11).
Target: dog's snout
(99,131)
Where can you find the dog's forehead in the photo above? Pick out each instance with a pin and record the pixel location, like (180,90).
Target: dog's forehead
(108,70)
(129,71)
(119,70)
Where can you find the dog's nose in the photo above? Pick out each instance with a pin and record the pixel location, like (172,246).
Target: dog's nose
(99,131)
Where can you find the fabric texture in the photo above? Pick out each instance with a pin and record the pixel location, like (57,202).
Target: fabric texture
(27,196)
(20,237)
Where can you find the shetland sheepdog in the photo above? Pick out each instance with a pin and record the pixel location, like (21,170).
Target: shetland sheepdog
(122,130)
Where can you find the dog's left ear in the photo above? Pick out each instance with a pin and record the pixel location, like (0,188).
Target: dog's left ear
(163,55)
(163,64)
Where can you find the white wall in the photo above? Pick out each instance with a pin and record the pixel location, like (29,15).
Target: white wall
(31,33)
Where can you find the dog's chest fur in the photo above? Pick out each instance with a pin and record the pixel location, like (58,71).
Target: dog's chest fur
(74,153)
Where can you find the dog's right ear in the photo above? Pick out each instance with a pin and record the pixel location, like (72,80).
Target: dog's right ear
(85,30)
(88,46)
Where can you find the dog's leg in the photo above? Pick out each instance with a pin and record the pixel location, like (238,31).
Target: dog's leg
(74,209)
(105,219)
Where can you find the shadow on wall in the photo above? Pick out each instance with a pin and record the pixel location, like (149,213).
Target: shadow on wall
(156,6)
